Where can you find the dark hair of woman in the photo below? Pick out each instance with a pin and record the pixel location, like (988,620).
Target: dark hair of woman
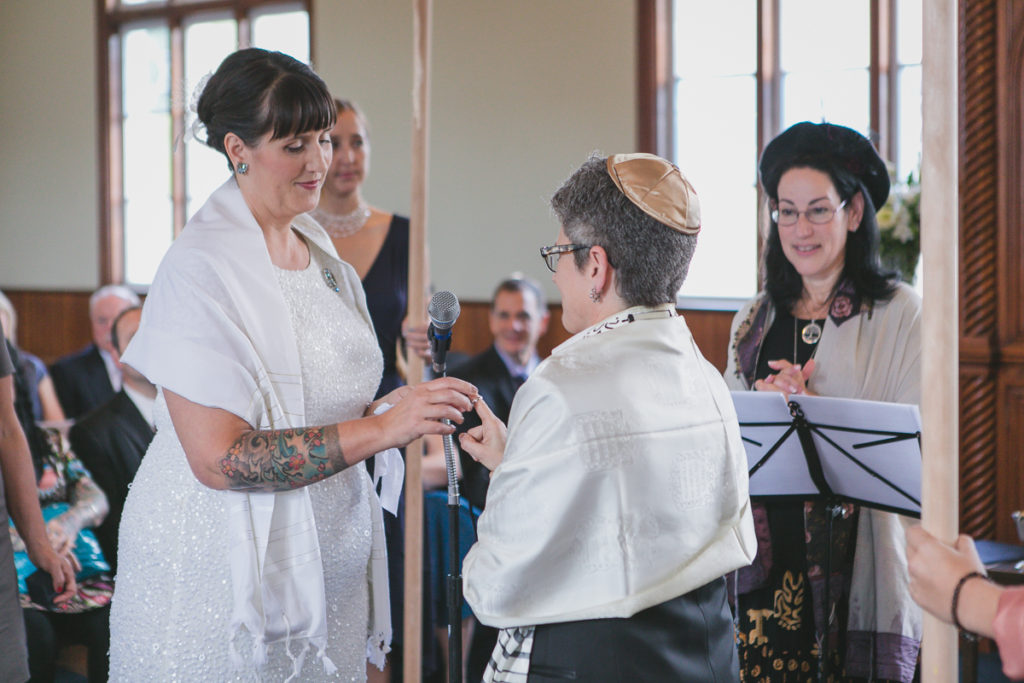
(255,91)
(862,266)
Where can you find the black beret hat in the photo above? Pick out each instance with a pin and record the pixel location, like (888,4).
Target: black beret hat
(809,143)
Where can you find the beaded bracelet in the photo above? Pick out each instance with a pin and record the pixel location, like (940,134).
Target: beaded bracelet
(956,599)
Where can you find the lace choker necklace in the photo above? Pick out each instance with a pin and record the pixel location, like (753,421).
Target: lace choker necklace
(342,224)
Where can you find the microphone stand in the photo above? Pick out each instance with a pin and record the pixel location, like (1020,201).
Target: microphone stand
(454,585)
(443,311)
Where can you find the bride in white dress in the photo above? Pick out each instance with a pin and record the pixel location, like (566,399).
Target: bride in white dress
(248,546)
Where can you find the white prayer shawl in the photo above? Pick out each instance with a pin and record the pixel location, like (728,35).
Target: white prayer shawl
(215,329)
(623,482)
(875,356)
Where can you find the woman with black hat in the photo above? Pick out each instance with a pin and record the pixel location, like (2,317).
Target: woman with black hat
(832,322)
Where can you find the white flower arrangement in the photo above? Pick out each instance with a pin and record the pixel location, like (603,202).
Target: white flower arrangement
(899,223)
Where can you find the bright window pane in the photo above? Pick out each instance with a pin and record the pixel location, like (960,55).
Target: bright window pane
(143,248)
(716,149)
(715,138)
(909,22)
(284,31)
(146,129)
(146,75)
(908,51)
(824,35)
(909,121)
(838,97)
(208,40)
(715,38)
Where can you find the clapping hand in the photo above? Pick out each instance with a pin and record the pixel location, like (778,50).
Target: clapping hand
(789,379)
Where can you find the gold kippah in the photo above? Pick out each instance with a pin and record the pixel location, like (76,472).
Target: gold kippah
(658,188)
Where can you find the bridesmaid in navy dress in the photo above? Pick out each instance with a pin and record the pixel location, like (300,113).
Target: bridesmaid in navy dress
(376,243)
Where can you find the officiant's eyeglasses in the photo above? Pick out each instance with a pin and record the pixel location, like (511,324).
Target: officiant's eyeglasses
(819,215)
(551,254)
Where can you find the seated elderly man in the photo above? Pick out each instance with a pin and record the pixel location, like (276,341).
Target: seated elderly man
(618,496)
(111,440)
(90,377)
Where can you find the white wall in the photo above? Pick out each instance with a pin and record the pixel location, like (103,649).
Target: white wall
(49,191)
(522,91)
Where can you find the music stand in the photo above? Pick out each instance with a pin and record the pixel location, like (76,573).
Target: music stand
(835,450)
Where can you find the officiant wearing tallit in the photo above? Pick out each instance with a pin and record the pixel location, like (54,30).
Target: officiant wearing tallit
(618,497)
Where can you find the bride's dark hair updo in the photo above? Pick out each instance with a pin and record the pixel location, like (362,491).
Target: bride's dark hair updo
(255,91)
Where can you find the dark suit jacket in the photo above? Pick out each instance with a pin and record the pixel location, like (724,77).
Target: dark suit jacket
(497,387)
(110,442)
(81,381)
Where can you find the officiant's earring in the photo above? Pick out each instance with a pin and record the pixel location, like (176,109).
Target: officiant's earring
(595,295)
(243,168)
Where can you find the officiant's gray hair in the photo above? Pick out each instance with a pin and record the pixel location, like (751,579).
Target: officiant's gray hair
(650,259)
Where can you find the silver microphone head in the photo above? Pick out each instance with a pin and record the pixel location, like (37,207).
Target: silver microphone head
(443,310)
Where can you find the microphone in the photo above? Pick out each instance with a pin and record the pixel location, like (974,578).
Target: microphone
(443,311)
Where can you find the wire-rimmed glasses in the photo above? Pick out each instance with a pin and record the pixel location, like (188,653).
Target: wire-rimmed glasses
(819,215)
(551,254)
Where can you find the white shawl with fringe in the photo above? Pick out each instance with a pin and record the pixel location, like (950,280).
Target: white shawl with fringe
(215,329)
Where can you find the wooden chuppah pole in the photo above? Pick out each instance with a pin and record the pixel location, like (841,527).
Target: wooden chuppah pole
(413,611)
(940,328)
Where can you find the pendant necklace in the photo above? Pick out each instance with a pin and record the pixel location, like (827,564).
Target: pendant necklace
(810,335)
(811,332)
(342,224)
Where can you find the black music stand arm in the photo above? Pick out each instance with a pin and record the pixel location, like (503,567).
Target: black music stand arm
(832,506)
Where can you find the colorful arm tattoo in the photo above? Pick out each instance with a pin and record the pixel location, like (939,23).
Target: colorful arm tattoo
(282,459)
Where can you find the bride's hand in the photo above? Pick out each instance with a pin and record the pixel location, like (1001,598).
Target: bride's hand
(419,410)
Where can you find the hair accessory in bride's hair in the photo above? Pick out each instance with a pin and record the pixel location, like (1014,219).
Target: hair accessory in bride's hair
(194,128)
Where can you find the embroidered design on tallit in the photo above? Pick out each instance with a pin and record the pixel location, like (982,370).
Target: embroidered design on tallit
(694,480)
(602,431)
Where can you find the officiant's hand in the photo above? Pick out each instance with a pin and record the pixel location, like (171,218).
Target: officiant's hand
(789,379)
(486,443)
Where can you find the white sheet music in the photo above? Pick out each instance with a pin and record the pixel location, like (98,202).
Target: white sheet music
(869,451)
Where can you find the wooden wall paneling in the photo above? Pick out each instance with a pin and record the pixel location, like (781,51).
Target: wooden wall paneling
(51,324)
(1009,59)
(979,233)
(472,334)
(978,439)
(1010,480)
(710,330)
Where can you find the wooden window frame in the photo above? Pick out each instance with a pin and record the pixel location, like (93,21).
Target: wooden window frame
(655,80)
(111,17)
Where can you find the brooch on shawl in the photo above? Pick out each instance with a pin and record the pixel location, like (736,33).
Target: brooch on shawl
(329,279)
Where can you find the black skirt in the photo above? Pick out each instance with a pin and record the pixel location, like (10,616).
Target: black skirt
(689,638)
